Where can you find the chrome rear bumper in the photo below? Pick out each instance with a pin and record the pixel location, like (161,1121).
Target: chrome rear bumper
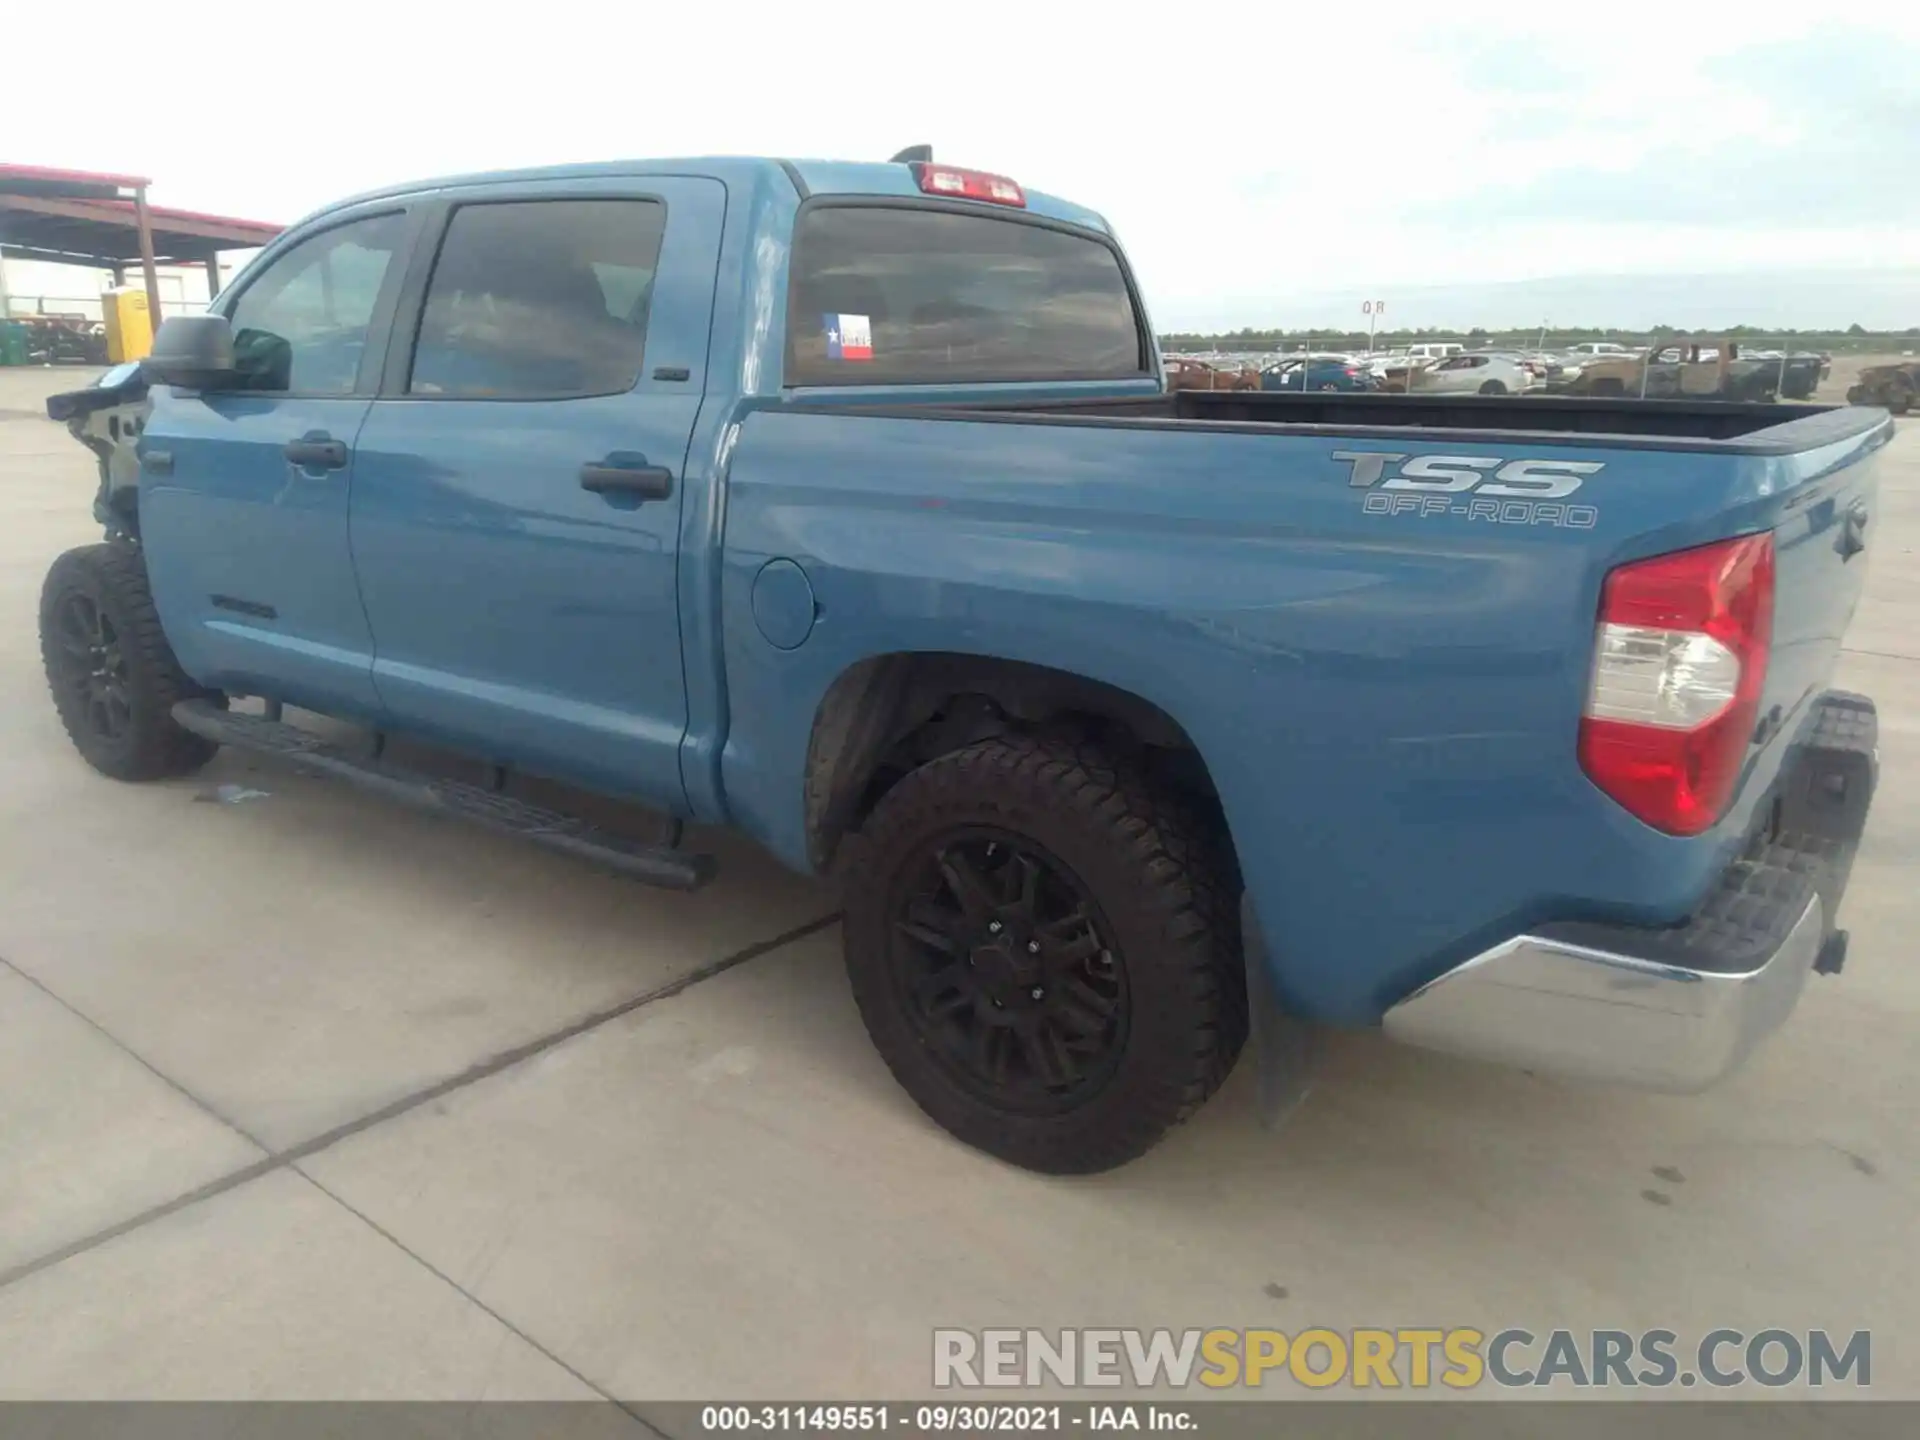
(1676,1008)
(1544,1005)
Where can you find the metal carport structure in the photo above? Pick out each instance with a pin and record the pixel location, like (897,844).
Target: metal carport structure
(76,217)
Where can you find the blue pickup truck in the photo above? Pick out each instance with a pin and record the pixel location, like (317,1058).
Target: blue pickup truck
(844,504)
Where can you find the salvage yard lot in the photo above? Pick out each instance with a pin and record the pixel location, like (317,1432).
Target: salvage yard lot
(304,1096)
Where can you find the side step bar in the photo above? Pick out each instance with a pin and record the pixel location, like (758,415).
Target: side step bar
(661,865)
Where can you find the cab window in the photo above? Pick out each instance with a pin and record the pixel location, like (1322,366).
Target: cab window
(539,299)
(301,326)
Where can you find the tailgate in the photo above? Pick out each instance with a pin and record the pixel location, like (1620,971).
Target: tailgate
(1823,536)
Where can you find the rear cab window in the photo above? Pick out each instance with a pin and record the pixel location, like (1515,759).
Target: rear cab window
(922,294)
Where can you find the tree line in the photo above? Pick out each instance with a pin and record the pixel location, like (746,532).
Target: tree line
(1855,339)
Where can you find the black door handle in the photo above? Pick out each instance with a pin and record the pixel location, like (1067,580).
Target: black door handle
(314,453)
(648,482)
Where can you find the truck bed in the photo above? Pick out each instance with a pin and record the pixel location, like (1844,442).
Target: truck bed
(1385,680)
(1749,429)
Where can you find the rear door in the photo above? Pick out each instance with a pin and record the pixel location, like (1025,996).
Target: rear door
(244,494)
(517,501)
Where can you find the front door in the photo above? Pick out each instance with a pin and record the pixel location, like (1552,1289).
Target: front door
(517,493)
(244,495)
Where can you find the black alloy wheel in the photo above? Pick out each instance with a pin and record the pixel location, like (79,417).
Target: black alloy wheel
(114,677)
(1008,972)
(88,660)
(1044,946)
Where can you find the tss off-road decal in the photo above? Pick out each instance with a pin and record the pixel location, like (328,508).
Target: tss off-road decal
(1472,487)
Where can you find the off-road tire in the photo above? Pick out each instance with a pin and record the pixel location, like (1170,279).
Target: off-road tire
(152,746)
(1166,883)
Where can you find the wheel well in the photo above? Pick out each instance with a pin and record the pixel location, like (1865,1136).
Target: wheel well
(890,714)
(119,511)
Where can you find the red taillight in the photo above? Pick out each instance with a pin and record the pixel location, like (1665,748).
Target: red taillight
(1679,661)
(967,184)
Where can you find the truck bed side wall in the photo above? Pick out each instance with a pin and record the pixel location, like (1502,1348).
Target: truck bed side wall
(1388,703)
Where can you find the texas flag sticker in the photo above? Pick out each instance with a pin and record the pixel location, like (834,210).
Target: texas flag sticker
(849,337)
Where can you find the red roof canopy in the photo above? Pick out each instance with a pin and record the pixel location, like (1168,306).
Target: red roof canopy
(78,217)
(46,180)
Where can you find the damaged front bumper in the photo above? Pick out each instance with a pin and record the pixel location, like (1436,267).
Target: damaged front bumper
(107,417)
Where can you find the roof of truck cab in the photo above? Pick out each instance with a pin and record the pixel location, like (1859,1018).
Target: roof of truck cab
(812,177)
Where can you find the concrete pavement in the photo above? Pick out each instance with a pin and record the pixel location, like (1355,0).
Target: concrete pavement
(306,1096)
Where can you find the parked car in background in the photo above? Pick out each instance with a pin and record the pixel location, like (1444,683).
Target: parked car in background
(1547,370)
(1396,377)
(1320,372)
(1476,374)
(1188,374)
(1896,387)
(1595,348)
(1797,373)
(1395,368)
(1681,369)
(1800,377)
(1403,356)
(1741,377)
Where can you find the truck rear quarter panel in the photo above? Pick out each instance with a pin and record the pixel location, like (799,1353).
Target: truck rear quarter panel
(1387,703)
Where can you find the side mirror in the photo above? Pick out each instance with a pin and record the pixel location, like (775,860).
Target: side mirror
(194,352)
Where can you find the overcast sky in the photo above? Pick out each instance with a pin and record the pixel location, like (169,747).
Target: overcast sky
(1250,155)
